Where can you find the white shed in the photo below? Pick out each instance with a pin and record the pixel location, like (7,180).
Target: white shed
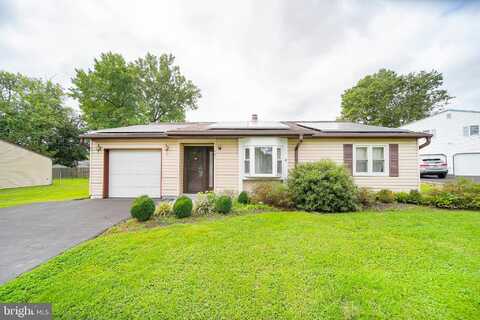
(20,167)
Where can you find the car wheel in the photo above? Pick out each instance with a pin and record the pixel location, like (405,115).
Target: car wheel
(442,175)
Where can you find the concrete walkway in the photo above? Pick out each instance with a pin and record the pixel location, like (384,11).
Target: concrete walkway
(32,234)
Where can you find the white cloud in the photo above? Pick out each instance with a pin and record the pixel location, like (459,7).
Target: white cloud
(283,60)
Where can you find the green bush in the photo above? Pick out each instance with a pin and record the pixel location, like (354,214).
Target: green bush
(142,208)
(414,197)
(366,197)
(461,194)
(204,203)
(448,200)
(223,204)
(386,196)
(183,207)
(273,194)
(323,186)
(163,209)
(401,197)
(243,198)
(428,200)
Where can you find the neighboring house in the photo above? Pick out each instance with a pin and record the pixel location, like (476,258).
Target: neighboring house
(20,167)
(169,159)
(456,134)
(83,164)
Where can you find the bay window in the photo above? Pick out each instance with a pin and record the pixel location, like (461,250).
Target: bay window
(263,157)
(266,162)
(370,160)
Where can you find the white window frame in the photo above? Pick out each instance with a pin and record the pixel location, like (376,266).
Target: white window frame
(274,143)
(252,173)
(370,172)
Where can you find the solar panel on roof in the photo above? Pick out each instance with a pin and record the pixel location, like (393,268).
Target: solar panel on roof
(161,127)
(347,127)
(248,125)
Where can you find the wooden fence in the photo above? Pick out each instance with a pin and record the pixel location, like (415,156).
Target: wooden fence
(63,173)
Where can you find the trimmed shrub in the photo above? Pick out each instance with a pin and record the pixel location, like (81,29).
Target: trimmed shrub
(204,203)
(272,193)
(385,196)
(414,197)
(223,204)
(183,207)
(323,186)
(401,197)
(366,197)
(243,198)
(163,209)
(142,208)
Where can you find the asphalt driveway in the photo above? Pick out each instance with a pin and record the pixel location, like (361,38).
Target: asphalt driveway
(32,234)
(449,178)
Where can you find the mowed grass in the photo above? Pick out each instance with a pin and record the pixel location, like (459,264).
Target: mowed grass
(59,190)
(413,264)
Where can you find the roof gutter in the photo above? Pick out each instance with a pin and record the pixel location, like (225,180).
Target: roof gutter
(300,140)
(428,140)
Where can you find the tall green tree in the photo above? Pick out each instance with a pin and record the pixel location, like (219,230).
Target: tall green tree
(33,115)
(108,94)
(118,93)
(388,99)
(166,94)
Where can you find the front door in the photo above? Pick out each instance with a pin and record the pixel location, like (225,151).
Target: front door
(198,169)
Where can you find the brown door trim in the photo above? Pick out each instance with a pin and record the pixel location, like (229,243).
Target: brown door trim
(206,167)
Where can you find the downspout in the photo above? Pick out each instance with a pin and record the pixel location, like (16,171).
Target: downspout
(426,143)
(300,140)
(161,171)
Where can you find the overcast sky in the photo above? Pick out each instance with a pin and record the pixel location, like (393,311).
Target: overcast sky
(285,60)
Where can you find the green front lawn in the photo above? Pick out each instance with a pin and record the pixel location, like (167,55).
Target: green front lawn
(59,190)
(413,264)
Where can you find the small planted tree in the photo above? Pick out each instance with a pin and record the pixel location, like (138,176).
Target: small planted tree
(323,186)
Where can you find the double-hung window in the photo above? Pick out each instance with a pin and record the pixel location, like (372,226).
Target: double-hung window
(263,161)
(473,130)
(370,160)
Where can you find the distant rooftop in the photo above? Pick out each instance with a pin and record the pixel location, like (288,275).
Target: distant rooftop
(456,110)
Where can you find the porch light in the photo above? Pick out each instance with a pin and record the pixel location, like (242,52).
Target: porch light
(99,148)
(166,147)
(219,147)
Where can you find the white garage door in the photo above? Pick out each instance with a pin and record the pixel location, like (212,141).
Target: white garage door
(467,164)
(134,173)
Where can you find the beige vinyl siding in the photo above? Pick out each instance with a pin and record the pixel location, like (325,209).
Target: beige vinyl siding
(291,153)
(409,176)
(225,163)
(22,168)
